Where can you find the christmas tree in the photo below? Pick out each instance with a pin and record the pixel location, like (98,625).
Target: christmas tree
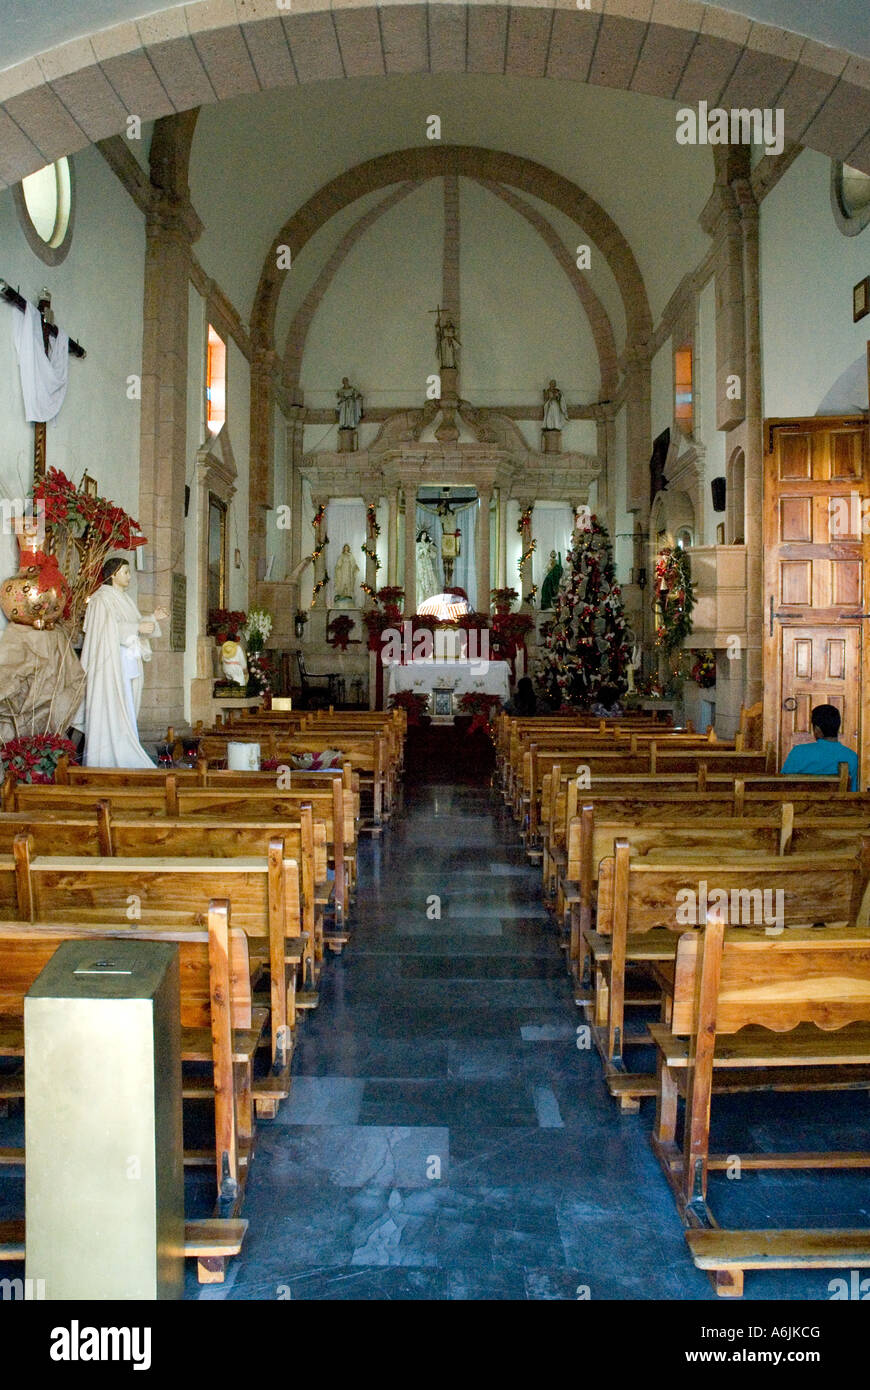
(588,642)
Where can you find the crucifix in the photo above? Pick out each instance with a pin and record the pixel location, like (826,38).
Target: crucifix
(49,331)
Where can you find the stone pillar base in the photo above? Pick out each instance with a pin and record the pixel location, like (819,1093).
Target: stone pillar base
(346,440)
(551,441)
(449,383)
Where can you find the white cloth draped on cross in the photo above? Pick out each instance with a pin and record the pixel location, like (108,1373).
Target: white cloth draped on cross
(44,376)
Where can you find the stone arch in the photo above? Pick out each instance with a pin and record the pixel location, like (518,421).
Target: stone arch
(492,166)
(602,330)
(55,102)
(735,498)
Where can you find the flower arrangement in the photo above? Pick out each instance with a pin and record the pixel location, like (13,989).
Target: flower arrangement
(225,624)
(339,630)
(481,706)
(674,598)
(82,531)
(388,614)
(509,631)
(413,704)
(256,634)
(704,670)
(35,759)
(502,599)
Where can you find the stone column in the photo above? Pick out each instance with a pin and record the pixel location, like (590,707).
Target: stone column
(753,445)
(409,578)
(262,463)
(638,433)
(393,536)
(171,228)
(484,578)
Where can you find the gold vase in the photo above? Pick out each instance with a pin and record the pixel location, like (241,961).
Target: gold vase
(22,602)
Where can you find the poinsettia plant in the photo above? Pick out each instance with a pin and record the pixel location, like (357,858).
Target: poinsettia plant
(225,624)
(413,704)
(35,758)
(480,706)
(83,529)
(339,630)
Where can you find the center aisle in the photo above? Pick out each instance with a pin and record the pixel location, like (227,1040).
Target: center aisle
(444,1137)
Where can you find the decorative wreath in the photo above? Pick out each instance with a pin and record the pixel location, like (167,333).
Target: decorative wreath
(674,598)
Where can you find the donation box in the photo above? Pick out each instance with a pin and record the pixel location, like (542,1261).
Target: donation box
(103,1138)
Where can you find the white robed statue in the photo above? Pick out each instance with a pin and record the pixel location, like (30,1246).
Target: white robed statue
(349,405)
(427,576)
(344,579)
(115,647)
(555,414)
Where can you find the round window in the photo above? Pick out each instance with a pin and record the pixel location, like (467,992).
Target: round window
(850,198)
(45,202)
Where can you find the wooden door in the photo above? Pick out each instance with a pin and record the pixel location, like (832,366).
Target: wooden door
(816,519)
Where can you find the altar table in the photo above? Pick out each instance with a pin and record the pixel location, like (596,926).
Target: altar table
(463,677)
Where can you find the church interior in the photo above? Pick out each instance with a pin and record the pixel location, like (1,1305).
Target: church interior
(435,462)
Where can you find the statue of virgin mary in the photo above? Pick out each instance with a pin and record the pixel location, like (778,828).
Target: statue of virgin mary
(428,581)
(116,644)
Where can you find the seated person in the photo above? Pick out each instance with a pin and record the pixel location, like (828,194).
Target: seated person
(525,702)
(821,758)
(607,705)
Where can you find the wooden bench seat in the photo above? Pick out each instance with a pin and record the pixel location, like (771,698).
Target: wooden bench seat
(219,1026)
(746,1003)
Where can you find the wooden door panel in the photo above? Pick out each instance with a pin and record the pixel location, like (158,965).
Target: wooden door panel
(819,667)
(815,558)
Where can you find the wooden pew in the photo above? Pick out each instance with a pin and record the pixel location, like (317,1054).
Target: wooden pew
(642,909)
(331,810)
(219,1026)
(752,1012)
(169,893)
(591,839)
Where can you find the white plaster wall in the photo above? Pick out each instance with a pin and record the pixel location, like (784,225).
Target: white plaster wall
(808,269)
(97,298)
(662,389)
(521,322)
(374,325)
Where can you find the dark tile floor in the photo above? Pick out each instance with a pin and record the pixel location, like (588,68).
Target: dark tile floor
(445,1139)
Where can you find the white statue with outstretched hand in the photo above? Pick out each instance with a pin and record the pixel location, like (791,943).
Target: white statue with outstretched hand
(116,646)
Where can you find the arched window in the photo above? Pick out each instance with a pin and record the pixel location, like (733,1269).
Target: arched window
(850,198)
(45,202)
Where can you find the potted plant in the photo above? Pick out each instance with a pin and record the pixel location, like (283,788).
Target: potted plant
(35,757)
(414,705)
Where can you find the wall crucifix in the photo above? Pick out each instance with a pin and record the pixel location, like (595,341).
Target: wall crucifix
(49,331)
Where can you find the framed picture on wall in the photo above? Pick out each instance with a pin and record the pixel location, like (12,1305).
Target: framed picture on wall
(861,299)
(442,701)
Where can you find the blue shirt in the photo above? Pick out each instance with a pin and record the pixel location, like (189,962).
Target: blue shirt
(820,759)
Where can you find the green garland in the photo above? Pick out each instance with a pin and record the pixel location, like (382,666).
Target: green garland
(674,598)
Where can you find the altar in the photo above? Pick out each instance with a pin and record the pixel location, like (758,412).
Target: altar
(462,677)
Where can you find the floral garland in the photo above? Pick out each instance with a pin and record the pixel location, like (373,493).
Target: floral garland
(674,598)
(319,547)
(524,529)
(368,548)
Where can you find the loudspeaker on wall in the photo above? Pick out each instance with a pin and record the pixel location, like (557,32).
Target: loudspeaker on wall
(717,487)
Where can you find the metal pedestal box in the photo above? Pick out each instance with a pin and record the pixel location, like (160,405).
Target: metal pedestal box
(103,1135)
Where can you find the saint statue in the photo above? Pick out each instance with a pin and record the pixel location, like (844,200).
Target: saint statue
(344,579)
(555,415)
(446,342)
(115,647)
(550,586)
(428,578)
(349,405)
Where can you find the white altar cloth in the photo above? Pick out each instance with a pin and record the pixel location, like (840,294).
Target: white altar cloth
(486,677)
